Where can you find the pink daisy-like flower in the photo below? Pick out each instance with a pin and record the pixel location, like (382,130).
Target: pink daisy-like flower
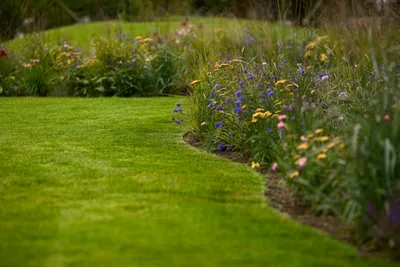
(282,117)
(302,162)
(274,166)
(386,117)
(281,125)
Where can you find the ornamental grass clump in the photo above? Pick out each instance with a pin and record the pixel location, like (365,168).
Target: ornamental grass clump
(376,182)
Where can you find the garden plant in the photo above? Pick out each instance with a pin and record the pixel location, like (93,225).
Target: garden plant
(318,108)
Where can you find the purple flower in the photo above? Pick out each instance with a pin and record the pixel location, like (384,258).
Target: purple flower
(241,98)
(211,104)
(218,108)
(250,77)
(293,118)
(217,85)
(241,83)
(219,124)
(238,93)
(268,130)
(228,148)
(260,85)
(238,102)
(220,147)
(179,121)
(179,110)
(237,110)
(245,71)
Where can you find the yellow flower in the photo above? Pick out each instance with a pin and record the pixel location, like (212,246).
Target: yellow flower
(296,156)
(244,106)
(318,131)
(394,106)
(309,136)
(294,174)
(266,114)
(255,165)
(259,110)
(321,139)
(291,136)
(321,38)
(290,85)
(323,57)
(311,45)
(302,146)
(307,54)
(194,82)
(321,156)
(235,61)
(280,82)
(223,65)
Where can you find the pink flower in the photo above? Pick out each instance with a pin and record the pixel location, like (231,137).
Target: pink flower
(303,138)
(203,123)
(274,166)
(282,117)
(281,125)
(386,117)
(302,162)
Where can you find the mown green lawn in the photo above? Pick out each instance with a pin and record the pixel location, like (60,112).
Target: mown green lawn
(110,182)
(80,35)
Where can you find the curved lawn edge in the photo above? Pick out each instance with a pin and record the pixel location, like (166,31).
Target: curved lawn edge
(110,182)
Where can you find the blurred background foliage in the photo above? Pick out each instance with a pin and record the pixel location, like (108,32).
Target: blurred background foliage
(24,16)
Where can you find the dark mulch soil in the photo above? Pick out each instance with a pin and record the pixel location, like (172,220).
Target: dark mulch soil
(282,200)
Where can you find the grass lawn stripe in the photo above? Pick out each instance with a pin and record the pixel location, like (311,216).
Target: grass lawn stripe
(109,182)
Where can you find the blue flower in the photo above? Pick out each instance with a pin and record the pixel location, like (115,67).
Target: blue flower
(293,118)
(220,147)
(211,104)
(241,83)
(268,130)
(217,85)
(228,148)
(211,140)
(218,108)
(238,93)
(241,98)
(237,110)
(250,77)
(245,71)
(238,102)
(179,121)
(219,124)
(260,85)
(179,110)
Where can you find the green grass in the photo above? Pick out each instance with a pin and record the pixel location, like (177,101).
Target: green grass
(110,182)
(82,34)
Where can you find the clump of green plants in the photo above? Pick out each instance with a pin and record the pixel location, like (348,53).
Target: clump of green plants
(293,112)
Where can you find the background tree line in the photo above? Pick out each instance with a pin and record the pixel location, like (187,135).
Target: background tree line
(44,14)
